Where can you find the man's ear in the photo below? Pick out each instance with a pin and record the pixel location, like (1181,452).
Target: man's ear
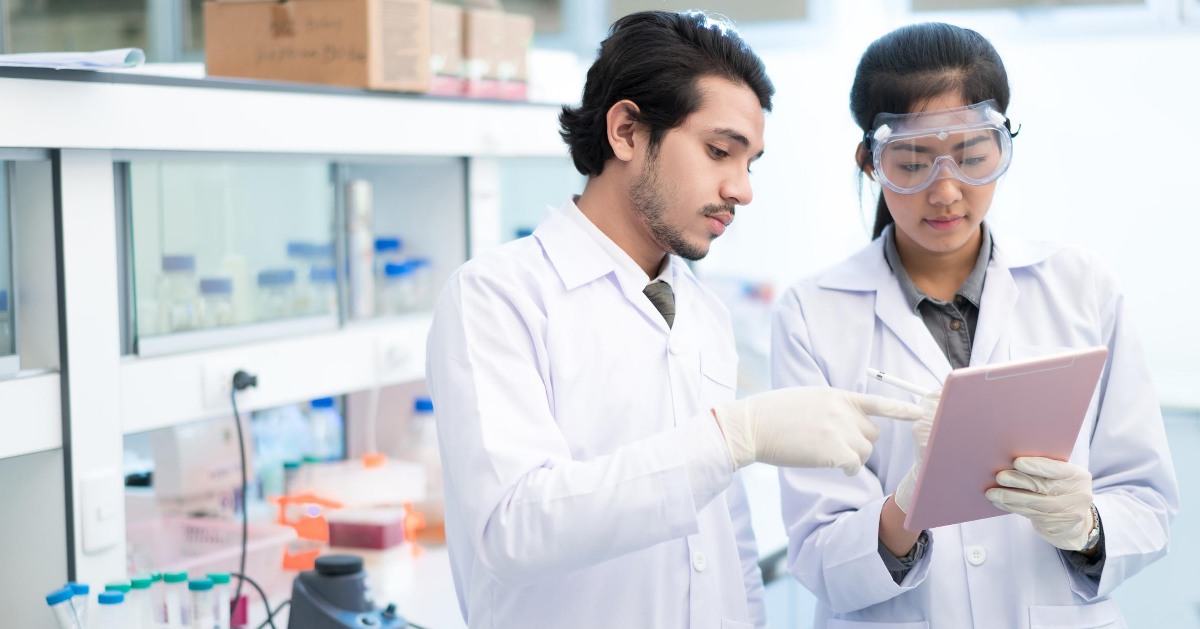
(622,127)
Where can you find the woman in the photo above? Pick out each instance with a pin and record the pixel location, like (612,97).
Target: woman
(938,290)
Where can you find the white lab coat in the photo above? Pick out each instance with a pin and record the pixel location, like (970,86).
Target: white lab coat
(1037,298)
(585,476)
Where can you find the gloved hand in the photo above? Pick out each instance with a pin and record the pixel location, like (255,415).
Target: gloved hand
(807,427)
(920,433)
(1056,496)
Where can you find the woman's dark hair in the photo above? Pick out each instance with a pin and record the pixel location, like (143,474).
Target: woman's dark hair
(916,63)
(655,58)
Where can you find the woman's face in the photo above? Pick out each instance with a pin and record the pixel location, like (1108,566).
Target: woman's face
(943,217)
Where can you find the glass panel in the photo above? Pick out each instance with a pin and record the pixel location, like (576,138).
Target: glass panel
(75,25)
(528,185)
(416,213)
(220,243)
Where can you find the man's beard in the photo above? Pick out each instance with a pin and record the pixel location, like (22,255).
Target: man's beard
(649,197)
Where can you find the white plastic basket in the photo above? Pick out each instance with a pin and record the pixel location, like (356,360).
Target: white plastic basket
(201,546)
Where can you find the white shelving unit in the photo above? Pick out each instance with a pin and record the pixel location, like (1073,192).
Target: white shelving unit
(90,121)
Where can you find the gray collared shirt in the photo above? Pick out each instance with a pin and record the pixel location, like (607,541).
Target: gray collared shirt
(952,325)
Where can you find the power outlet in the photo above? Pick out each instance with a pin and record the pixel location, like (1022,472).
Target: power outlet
(217,381)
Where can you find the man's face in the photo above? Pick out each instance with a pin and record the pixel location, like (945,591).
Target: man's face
(691,182)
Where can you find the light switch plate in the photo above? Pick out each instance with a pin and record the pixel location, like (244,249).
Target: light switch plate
(103,505)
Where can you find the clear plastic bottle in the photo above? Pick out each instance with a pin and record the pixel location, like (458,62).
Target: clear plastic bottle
(323,290)
(360,255)
(139,603)
(157,599)
(216,302)
(64,611)
(276,294)
(396,295)
(388,250)
(177,294)
(221,590)
(327,428)
(111,612)
(423,444)
(203,604)
(291,478)
(80,600)
(175,598)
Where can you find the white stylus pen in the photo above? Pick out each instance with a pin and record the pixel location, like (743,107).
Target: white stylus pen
(896,382)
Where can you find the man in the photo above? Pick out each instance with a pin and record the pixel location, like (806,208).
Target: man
(589,480)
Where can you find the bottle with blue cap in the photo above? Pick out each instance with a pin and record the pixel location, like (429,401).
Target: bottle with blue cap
(396,290)
(111,612)
(276,294)
(422,270)
(64,611)
(216,302)
(176,297)
(322,291)
(423,444)
(326,429)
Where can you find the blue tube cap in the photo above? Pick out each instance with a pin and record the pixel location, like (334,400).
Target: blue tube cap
(424,404)
(80,589)
(111,598)
(58,596)
(200,585)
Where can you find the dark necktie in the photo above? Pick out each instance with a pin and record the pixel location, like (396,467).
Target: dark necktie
(663,298)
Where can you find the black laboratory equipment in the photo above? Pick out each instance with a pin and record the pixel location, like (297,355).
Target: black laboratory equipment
(335,595)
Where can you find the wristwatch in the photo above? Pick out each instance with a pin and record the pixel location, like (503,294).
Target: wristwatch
(1093,536)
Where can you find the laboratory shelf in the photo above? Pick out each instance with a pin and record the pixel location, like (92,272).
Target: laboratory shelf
(32,418)
(210,115)
(169,390)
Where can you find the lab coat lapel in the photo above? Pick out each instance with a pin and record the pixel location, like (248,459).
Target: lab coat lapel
(996,306)
(893,309)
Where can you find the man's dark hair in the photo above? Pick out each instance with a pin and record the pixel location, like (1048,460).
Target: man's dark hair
(655,59)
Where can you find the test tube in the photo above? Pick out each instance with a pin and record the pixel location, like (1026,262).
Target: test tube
(111,613)
(221,587)
(118,586)
(157,612)
(80,601)
(60,603)
(201,591)
(139,603)
(175,583)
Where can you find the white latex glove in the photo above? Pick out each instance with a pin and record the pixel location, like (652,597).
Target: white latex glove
(807,427)
(1056,496)
(920,433)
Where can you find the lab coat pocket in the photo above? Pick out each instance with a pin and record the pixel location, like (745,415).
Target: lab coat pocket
(835,623)
(1093,616)
(734,624)
(720,378)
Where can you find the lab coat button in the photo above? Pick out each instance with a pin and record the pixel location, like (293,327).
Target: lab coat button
(699,561)
(976,555)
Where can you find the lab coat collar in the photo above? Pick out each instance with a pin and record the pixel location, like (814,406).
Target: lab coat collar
(865,270)
(575,256)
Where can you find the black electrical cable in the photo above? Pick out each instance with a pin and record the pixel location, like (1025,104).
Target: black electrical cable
(242,380)
(270,615)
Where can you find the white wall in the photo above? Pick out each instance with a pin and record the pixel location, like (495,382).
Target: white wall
(1106,158)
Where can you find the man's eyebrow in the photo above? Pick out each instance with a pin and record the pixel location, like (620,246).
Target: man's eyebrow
(735,136)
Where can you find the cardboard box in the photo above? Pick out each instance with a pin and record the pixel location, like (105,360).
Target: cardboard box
(515,43)
(374,44)
(483,33)
(446,49)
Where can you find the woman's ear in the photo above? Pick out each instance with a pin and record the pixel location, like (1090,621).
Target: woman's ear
(862,159)
(622,127)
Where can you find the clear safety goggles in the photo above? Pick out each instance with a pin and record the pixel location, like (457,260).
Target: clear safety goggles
(911,151)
